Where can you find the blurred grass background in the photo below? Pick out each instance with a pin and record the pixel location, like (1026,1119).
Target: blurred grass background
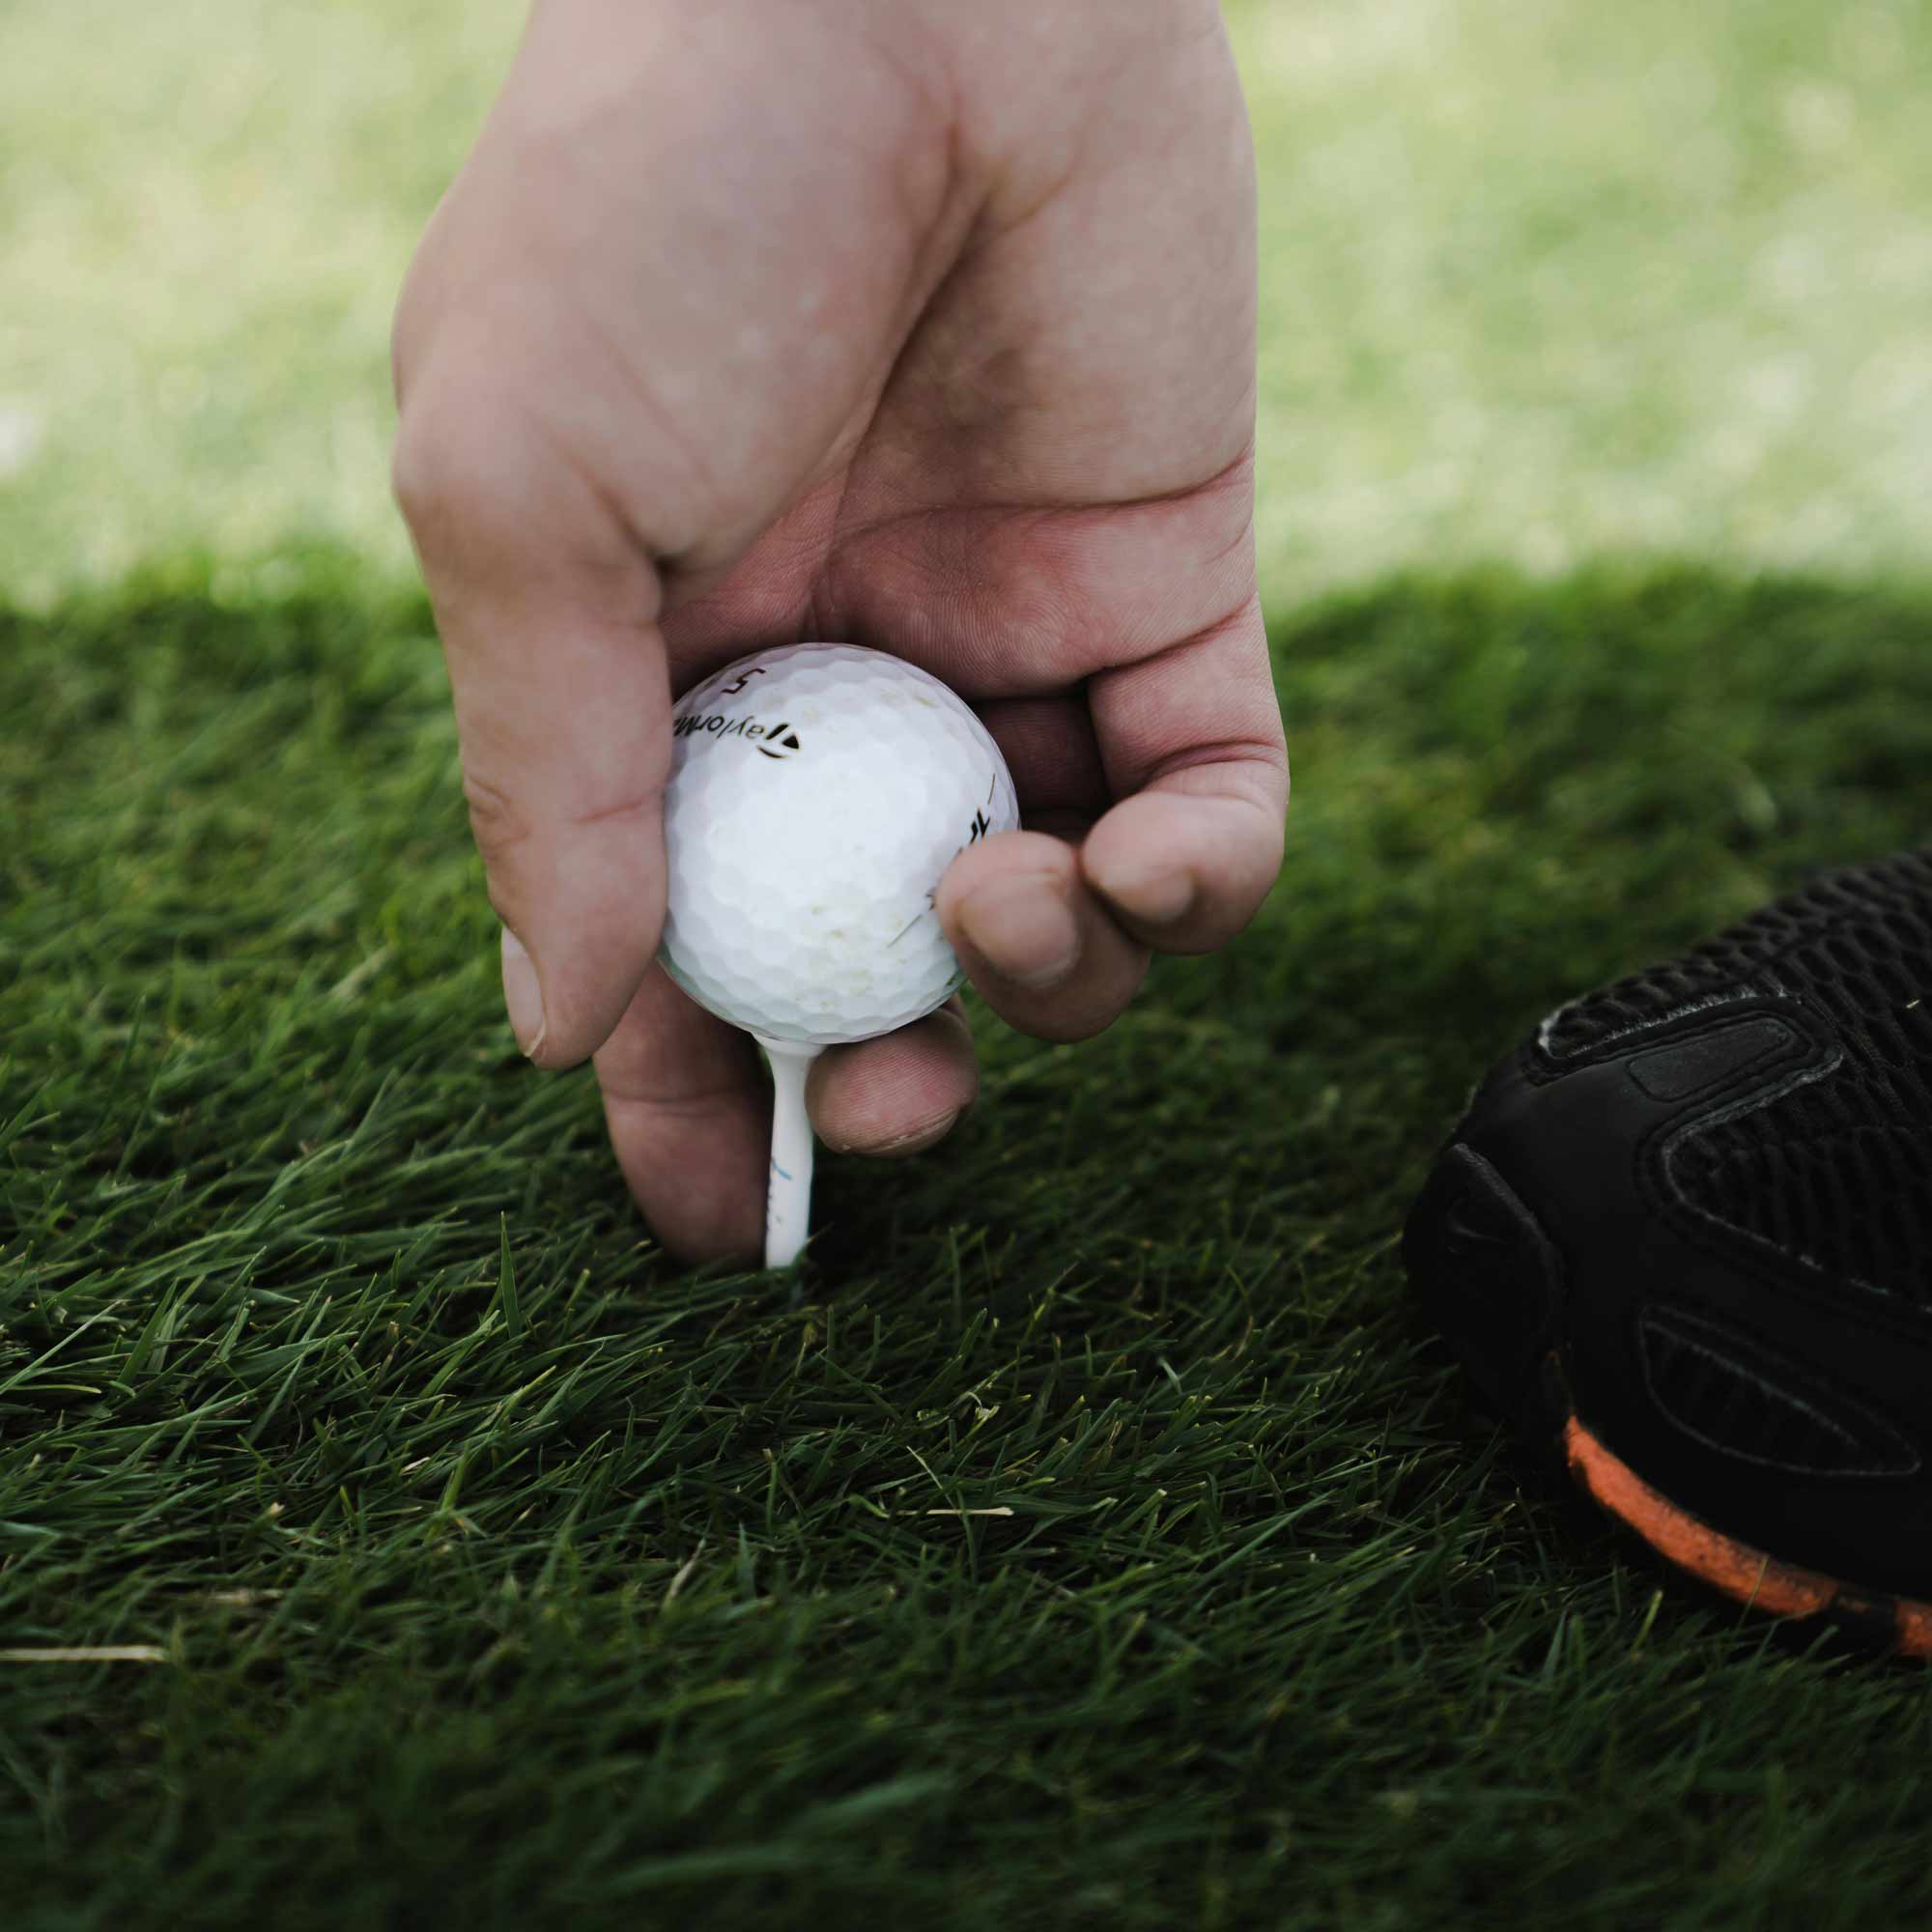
(1540,281)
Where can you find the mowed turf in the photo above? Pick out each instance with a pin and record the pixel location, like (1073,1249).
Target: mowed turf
(1094,1539)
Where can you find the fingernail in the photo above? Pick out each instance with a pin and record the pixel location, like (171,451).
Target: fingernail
(1158,899)
(1026,933)
(522,995)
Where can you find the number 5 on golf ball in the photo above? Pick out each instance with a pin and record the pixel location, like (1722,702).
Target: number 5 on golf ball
(817,793)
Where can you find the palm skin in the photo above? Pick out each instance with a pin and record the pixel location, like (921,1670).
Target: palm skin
(889,321)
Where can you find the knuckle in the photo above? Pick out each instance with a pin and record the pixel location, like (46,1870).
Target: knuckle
(502,822)
(638,808)
(497,822)
(452,469)
(433,485)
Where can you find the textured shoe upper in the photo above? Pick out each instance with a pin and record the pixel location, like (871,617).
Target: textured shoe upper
(1836,1171)
(1694,1213)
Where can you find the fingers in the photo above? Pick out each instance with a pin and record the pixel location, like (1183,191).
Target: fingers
(1050,750)
(899,1095)
(548,615)
(1193,746)
(689,1109)
(1148,611)
(689,1118)
(631,339)
(1030,601)
(1038,945)
(1056,935)
(1183,869)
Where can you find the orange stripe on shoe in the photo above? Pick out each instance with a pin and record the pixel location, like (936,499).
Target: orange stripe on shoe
(1748,1576)
(1914,1626)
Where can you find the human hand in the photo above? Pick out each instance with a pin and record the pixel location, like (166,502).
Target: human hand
(896,322)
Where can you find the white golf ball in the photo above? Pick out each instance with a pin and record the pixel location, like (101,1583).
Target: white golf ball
(817,794)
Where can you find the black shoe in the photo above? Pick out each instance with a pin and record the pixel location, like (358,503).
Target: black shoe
(1684,1232)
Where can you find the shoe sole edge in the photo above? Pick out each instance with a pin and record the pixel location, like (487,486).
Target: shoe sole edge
(1751,1577)
(1496,1285)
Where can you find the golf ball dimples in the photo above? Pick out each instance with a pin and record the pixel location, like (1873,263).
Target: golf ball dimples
(817,794)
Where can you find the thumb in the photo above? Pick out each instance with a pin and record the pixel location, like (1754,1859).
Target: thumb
(548,615)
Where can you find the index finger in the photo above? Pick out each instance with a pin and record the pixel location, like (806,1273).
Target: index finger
(548,615)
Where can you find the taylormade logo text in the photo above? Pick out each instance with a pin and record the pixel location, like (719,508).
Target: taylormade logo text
(776,741)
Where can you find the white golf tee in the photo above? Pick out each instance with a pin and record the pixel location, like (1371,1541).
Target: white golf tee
(789,1195)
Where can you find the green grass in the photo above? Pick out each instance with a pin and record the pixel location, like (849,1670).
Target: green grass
(1096,1541)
